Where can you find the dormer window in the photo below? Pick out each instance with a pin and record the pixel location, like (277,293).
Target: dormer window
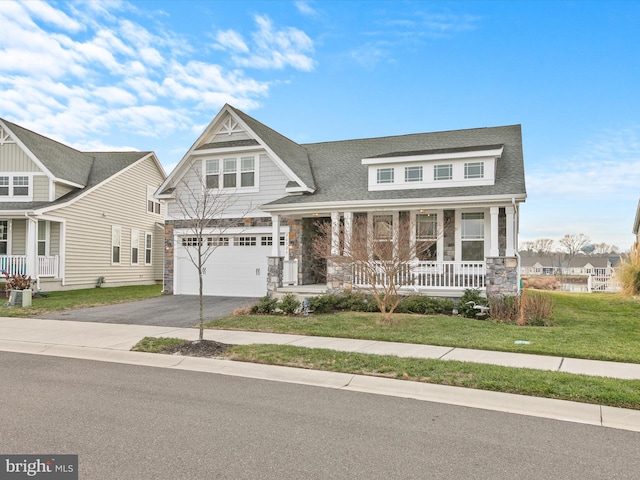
(385,175)
(413,174)
(474,170)
(443,172)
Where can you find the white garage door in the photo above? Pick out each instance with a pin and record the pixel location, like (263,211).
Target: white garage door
(237,267)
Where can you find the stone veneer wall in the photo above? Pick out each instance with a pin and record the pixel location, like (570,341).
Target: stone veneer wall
(339,276)
(167,273)
(274,273)
(502,276)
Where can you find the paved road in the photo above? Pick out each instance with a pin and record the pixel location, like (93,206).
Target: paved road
(164,311)
(128,421)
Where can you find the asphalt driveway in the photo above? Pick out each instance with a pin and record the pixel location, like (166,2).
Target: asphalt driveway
(164,311)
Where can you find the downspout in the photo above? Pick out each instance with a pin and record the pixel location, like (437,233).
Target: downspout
(516,231)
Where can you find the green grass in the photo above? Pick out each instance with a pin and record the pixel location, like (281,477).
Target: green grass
(90,297)
(592,326)
(157,344)
(523,381)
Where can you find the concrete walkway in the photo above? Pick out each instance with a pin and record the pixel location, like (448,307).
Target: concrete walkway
(112,342)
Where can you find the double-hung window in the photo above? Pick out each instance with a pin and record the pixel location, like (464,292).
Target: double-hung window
(148,247)
(472,236)
(383,236)
(213,173)
(236,172)
(14,186)
(247,171)
(135,246)
(426,236)
(116,243)
(229,173)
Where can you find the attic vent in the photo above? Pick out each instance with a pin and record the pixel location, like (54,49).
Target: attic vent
(4,137)
(230,126)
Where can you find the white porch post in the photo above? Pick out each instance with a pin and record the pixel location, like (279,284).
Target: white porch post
(335,233)
(511,238)
(494,250)
(275,244)
(31,249)
(348,230)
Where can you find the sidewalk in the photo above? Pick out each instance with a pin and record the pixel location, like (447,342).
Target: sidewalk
(112,342)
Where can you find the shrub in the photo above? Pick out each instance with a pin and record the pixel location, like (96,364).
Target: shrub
(464,308)
(265,305)
(16,282)
(628,273)
(537,308)
(289,304)
(505,308)
(425,305)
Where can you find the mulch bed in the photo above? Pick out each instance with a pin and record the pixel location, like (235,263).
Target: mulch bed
(199,348)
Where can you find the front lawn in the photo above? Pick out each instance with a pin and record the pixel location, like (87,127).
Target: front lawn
(90,297)
(593,326)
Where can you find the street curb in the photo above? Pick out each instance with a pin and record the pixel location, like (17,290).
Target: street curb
(611,417)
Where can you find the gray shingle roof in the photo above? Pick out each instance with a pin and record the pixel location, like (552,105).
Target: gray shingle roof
(65,163)
(340,176)
(294,155)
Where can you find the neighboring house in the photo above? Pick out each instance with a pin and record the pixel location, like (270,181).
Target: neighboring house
(466,183)
(539,265)
(69,218)
(581,265)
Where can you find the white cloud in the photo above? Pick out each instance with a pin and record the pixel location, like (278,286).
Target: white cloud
(271,48)
(305,8)
(85,72)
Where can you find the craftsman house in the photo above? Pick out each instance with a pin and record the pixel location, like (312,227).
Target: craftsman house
(467,184)
(72,219)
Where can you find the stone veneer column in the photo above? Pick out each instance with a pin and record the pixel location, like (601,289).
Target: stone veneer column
(274,273)
(167,273)
(502,276)
(339,276)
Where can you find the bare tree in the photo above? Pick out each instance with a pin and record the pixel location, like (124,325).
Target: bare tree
(572,244)
(205,212)
(604,248)
(540,246)
(381,251)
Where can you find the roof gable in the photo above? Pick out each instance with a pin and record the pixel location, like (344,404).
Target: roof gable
(63,163)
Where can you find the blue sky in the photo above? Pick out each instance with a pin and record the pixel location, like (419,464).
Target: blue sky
(151,75)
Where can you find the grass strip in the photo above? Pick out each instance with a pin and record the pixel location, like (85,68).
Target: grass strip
(157,344)
(590,326)
(523,381)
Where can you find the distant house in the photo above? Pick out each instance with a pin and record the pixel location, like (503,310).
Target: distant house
(73,219)
(467,184)
(580,265)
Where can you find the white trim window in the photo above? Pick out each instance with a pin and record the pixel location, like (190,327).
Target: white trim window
(135,247)
(413,174)
(153,204)
(237,172)
(474,170)
(148,248)
(4,237)
(472,236)
(443,172)
(426,236)
(43,238)
(116,244)
(18,186)
(384,175)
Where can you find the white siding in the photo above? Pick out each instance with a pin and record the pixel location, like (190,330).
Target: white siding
(61,189)
(121,201)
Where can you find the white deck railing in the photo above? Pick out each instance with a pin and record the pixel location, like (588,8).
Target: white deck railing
(17,264)
(428,275)
(603,283)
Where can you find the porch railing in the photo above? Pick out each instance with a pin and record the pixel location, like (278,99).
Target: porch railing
(428,275)
(17,264)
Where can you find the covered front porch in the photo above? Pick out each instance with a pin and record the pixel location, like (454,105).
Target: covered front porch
(30,247)
(453,249)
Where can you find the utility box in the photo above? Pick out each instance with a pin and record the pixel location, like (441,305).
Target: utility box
(21,298)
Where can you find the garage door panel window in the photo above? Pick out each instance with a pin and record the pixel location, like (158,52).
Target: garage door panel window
(247,241)
(268,241)
(218,241)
